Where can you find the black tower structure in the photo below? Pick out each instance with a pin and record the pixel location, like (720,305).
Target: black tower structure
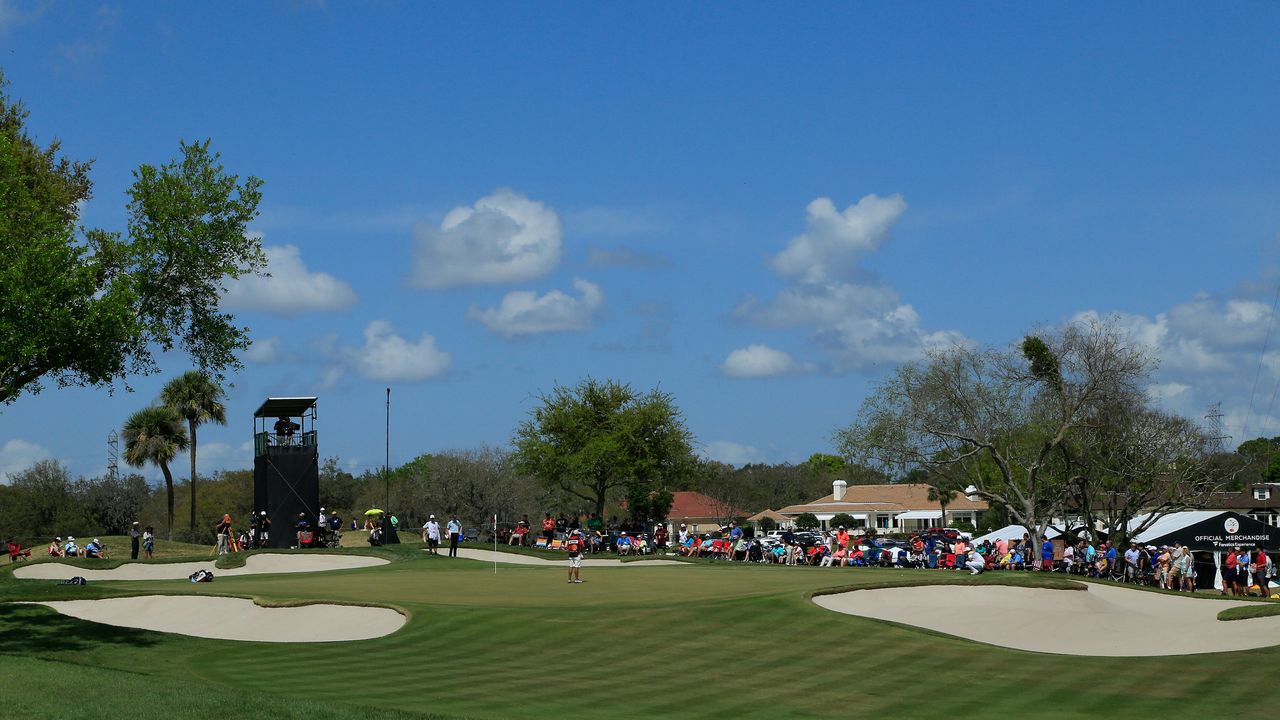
(286,470)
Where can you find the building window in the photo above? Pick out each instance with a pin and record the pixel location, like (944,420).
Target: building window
(1261,493)
(883,522)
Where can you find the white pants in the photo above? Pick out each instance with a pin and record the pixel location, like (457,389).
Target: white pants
(975,566)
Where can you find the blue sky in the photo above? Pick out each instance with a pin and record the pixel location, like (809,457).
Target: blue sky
(762,208)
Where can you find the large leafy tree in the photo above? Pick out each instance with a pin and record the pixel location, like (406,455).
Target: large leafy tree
(155,435)
(83,306)
(1000,419)
(600,436)
(198,399)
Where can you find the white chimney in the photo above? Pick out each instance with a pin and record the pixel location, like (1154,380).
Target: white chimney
(837,489)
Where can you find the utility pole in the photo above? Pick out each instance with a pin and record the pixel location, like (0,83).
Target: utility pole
(386,464)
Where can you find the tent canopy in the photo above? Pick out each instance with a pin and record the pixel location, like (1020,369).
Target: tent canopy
(1207,530)
(1011,532)
(284,407)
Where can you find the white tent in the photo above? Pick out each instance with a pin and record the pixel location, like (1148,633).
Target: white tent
(1010,532)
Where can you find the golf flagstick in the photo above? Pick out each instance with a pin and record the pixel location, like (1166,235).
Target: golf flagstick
(495,543)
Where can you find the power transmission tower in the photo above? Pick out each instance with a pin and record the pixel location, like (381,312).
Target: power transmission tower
(113,456)
(1217,435)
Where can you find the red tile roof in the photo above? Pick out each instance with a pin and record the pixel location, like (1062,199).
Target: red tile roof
(688,504)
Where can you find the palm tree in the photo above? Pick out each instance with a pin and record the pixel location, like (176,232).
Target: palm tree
(943,491)
(198,399)
(155,435)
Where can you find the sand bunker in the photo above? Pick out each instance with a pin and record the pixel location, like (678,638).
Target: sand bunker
(517,559)
(254,565)
(227,618)
(1103,620)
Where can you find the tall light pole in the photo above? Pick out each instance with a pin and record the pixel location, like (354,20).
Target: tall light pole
(386,464)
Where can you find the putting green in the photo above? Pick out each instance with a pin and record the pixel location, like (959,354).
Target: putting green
(708,640)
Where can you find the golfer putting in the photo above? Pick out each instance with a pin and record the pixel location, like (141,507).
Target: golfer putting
(575,546)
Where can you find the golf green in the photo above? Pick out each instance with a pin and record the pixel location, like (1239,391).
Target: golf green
(712,640)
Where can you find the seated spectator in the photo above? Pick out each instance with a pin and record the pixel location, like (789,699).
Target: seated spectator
(95,550)
(16,551)
(624,544)
(518,534)
(71,549)
(55,548)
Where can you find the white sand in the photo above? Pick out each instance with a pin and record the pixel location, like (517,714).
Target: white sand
(518,559)
(1103,620)
(254,565)
(227,618)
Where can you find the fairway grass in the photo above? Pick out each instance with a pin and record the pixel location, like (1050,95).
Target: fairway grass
(714,640)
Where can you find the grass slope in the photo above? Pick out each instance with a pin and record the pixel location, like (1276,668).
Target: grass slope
(719,639)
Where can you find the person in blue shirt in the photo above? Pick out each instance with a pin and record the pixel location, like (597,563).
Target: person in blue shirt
(624,544)
(1046,555)
(95,550)
(1110,555)
(735,532)
(455,531)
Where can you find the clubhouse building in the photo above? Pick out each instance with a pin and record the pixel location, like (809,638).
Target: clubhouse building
(904,507)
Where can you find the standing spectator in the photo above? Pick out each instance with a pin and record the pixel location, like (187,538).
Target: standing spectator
(683,536)
(1187,571)
(223,531)
(431,535)
(574,545)
(594,523)
(455,531)
(1068,558)
(1229,573)
(135,535)
(264,529)
(1110,557)
(548,528)
(660,537)
(148,542)
(1131,569)
(1262,572)
(1046,555)
(302,526)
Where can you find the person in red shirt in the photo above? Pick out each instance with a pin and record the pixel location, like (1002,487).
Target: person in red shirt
(548,527)
(1261,576)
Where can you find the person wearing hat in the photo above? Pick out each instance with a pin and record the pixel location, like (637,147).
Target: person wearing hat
(135,537)
(431,535)
(574,544)
(95,550)
(71,549)
(148,542)
(223,531)
(264,529)
(55,548)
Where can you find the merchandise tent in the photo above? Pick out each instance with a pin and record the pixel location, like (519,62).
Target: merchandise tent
(1209,533)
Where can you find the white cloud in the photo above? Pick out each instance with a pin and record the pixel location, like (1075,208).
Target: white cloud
(290,289)
(527,313)
(265,351)
(17,455)
(1165,392)
(732,453)
(835,241)
(857,321)
(756,361)
(217,455)
(387,357)
(504,238)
